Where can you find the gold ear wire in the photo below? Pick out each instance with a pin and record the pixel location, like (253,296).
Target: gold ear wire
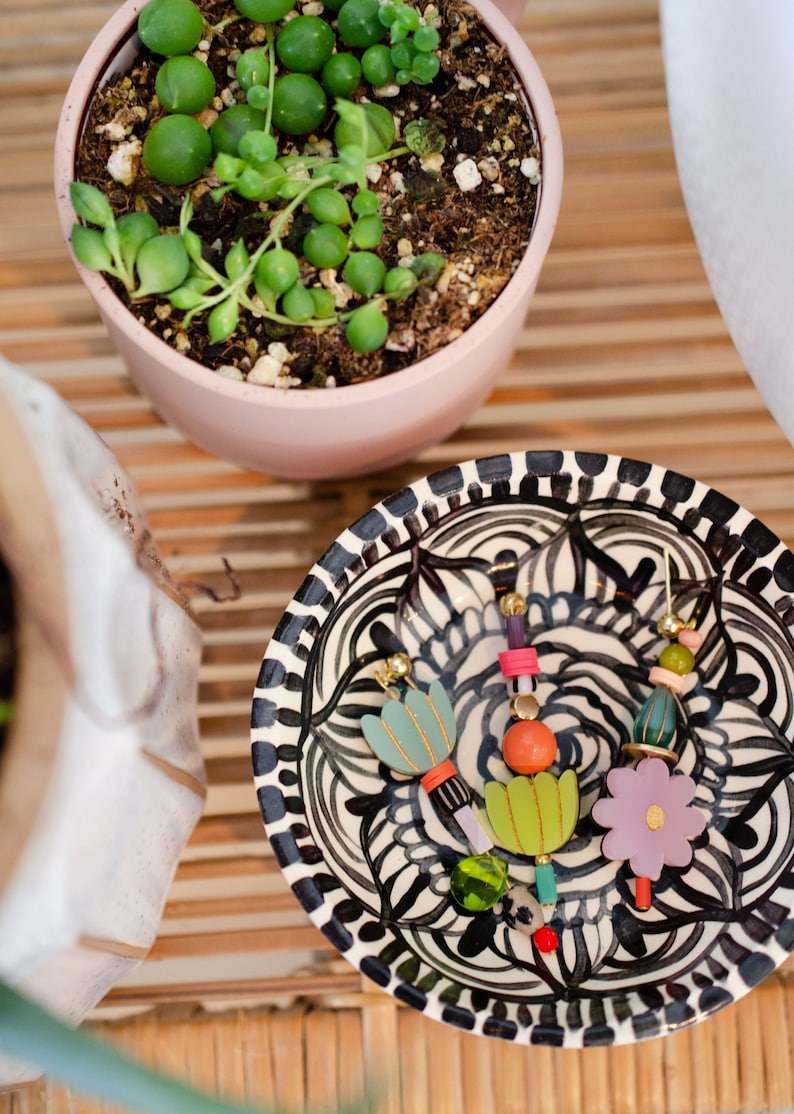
(670,624)
(397,667)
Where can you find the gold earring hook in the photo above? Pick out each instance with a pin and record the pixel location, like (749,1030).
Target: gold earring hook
(397,667)
(670,624)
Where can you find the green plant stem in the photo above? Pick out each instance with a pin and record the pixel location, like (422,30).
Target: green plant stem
(271,78)
(31,1034)
(219,28)
(271,315)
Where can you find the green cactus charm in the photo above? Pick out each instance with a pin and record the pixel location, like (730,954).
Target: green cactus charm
(535,816)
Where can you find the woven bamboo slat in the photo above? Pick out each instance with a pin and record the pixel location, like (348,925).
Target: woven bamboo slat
(624,352)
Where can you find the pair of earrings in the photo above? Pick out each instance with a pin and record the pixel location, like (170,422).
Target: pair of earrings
(648,815)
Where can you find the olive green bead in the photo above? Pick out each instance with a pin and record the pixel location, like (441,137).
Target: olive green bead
(677,658)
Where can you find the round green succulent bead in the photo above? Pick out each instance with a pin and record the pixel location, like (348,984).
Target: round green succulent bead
(170,26)
(305,44)
(177,150)
(358,23)
(184,84)
(263,11)
(341,74)
(232,125)
(253,67)
(367,328)
(325,245)
(299,104)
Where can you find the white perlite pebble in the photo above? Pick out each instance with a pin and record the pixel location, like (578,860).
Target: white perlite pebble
(530,168)
(279,351)
(467,175)
(124,162)
(265,371)
(229,371)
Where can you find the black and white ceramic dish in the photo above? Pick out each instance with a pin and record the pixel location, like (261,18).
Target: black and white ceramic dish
(583,536)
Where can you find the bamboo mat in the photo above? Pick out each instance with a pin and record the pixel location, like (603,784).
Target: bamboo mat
(624,352)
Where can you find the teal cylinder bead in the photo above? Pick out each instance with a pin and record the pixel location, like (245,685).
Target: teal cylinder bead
(545,883)
(656,721)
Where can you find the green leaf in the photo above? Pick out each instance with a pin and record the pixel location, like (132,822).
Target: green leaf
(162,265)
(352,165)
(277,270)
(367,330)
(428,266)
(298,304)
(200,283)
(222,322)
(324,306)
(424,137)
(134,229)
(366,125)
(90,204)
(227,167)
(193,246)
(367,232)
(97,1068)
(89,247)
(328,206)
(399,282)
(365,272)
(112,242)
(236,260)
(185,297)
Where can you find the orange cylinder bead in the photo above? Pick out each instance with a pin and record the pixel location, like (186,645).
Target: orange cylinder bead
(529,746)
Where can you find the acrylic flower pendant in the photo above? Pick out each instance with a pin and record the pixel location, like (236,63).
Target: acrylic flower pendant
(650,817)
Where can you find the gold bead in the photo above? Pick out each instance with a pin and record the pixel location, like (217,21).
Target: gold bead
(513,603)
(398,667)
(670,625)
(542,860)
(524,706)
(654,818)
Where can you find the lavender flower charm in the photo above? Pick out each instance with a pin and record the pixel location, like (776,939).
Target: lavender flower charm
(651,819)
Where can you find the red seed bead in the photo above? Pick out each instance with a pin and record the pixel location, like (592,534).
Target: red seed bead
(546,939)
(642,894)
(529,746)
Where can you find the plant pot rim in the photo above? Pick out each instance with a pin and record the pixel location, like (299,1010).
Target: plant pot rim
(96,63)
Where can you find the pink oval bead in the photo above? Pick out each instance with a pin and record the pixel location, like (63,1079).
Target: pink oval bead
(692,639)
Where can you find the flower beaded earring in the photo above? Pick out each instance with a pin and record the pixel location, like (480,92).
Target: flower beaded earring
(535,813)
(649,813)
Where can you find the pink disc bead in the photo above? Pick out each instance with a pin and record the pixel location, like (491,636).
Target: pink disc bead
(515,663)
(692,639)
(659,676)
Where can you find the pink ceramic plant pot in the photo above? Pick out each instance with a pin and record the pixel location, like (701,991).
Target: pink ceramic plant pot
(318,434)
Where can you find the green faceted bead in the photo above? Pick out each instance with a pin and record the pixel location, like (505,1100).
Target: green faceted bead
(656,721)
(477,883)
(677,658)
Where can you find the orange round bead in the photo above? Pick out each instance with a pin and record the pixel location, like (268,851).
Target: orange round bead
(529,746)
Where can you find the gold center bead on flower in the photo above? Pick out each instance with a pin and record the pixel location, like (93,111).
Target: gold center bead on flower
(654,818)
